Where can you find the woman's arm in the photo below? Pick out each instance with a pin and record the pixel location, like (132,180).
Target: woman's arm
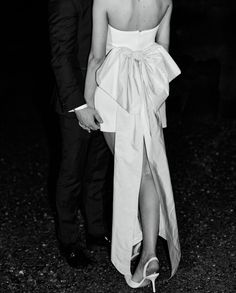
(98,49)
(163,34)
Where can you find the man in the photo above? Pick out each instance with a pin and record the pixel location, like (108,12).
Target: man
(86,158)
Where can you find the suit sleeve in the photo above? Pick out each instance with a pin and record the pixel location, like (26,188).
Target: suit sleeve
(63,26)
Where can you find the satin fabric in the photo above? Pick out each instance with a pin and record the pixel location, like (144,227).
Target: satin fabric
(133,84)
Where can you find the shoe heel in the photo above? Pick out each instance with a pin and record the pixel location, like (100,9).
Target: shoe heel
(152,278)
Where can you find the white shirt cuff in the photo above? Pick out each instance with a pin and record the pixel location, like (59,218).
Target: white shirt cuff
(79,108)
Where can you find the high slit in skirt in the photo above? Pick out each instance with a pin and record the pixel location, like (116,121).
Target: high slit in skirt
(130,97)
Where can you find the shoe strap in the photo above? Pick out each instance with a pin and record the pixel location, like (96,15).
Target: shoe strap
(146,265)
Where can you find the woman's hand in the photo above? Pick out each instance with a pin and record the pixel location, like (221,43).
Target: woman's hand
(88,118)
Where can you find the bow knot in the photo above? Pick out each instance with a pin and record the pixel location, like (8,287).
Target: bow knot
(137,55)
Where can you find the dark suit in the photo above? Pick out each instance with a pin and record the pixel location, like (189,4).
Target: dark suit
(85,157)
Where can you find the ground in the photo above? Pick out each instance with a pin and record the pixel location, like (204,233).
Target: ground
(202,165)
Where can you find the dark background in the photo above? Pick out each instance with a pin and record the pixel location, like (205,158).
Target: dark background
(203,44)
(200,141)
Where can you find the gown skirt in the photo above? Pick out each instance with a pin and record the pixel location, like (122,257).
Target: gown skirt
(130,97)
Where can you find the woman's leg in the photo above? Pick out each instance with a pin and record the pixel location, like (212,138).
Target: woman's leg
(149,211)
(110,140)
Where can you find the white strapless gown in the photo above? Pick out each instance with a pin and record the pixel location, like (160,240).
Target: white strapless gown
(133,84)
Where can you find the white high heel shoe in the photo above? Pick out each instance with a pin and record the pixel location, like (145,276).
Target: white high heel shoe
(151,277)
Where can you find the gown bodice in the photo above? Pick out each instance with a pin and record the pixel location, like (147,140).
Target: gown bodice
(134,40)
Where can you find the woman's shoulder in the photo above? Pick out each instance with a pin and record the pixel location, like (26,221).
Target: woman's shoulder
(102,2)
(101,5)
(165,3)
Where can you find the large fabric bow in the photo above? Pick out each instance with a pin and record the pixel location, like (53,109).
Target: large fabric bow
(132,78)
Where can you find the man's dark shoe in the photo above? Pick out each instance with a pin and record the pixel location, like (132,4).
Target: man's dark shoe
(95,242)
(76,257)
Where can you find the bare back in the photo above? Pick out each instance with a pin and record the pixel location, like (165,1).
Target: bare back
(124,15)
(129,15)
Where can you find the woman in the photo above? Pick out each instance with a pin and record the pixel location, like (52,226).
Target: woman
(127,82)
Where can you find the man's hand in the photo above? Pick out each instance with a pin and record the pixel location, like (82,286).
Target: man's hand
(88,118)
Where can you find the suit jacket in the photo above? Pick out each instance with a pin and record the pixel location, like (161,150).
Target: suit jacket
(70,28)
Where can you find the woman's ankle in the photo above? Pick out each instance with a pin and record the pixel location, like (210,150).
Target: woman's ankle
(146,255)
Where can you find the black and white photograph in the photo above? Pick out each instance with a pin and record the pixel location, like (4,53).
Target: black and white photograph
(118,146)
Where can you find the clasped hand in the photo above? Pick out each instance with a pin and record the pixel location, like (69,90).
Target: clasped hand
(89,119)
